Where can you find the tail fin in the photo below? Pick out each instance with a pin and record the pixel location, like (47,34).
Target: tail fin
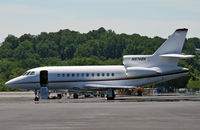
(168,54)
(174,44)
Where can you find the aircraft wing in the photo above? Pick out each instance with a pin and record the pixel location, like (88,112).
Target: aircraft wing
(100,86)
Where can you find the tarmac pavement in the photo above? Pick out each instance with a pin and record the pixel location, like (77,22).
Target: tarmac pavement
(19,112)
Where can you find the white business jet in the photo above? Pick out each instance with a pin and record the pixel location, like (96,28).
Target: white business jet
(137,70)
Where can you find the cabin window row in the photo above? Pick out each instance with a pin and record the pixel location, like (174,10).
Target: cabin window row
(85,74)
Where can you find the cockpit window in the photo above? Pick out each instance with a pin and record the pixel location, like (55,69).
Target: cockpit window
(28,73)
(32,73)
(24,73)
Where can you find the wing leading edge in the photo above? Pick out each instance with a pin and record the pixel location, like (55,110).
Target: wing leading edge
(180,56)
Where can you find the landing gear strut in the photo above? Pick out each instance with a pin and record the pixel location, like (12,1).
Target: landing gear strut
(36,95)
(110,94)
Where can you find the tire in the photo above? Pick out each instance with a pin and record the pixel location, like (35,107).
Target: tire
(36,99)
(75,96)
(110,98)
(139,93)
(59,96)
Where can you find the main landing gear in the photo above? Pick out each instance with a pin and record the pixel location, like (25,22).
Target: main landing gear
(110,94)
(75,96)
(59,95)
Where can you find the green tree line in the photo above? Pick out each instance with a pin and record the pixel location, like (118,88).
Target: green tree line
(97,47)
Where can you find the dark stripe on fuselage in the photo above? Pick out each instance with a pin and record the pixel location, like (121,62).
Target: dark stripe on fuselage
(127,78)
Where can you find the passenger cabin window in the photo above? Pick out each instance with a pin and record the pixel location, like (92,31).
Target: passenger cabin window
(76,74)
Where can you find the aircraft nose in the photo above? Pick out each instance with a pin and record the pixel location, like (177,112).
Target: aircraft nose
(10,83)
(16,82)
(13,82)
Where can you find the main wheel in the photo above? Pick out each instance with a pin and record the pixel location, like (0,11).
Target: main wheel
(139,93)
(59,96)
(75,96)
(36,99)
(110,95)
(110,98)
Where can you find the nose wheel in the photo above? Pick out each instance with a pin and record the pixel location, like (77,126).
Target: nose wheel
(36,99)
(36,95)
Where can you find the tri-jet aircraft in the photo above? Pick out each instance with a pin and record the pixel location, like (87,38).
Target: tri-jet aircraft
(137,70)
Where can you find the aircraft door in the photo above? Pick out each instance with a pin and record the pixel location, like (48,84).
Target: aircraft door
(43,78)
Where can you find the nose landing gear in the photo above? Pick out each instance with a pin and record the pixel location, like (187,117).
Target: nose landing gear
(36,95)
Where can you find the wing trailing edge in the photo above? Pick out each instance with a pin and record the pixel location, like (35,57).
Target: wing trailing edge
(99,86)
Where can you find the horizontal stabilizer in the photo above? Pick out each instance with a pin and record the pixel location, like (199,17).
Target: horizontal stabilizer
(180,56)
(99,86)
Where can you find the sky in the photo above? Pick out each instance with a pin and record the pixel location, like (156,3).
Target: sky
(145,17)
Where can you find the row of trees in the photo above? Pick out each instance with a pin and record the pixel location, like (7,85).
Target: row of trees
(96,47)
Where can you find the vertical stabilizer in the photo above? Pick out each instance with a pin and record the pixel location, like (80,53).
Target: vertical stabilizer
(174,43)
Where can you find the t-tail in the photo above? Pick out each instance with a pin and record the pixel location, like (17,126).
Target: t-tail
(164,59)
(170,51)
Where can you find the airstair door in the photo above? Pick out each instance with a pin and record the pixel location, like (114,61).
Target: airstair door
(43,78)
(44,90)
